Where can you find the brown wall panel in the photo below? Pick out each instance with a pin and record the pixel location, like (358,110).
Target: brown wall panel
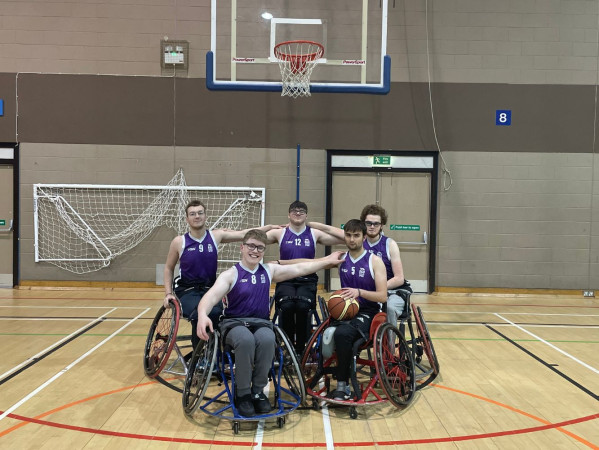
(95,109)
(8,121)
(140,111)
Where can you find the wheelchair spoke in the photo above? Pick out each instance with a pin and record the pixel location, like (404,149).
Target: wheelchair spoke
(394,365)
(199,374)
(424,350)
(161,338)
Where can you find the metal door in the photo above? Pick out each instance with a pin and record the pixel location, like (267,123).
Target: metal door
(6,225)
(407,199)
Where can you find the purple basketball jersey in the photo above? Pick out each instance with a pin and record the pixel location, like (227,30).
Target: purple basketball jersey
(199,259)
(381,249)
(359,274)
(294,245)
(250,294)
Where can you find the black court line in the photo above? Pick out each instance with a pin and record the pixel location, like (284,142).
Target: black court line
(549,366)
(49,352)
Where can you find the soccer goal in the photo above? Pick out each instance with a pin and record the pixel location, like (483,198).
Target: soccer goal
(83,227)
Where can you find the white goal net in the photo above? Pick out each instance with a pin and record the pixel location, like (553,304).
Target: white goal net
(82,228)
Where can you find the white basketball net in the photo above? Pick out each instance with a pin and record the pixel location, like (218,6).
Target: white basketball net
(82,228)
(297,60)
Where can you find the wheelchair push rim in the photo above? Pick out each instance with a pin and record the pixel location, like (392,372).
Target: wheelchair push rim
(199,374)
(432,371)
(161,338)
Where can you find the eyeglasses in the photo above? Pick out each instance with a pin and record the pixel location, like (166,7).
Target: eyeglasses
(372,224)
(298,212)
(252,247)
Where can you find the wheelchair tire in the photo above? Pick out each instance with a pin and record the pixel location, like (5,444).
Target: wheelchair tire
(394,365)
(291,369)
(311,364)
(199,373)
(424,339)
(161,338)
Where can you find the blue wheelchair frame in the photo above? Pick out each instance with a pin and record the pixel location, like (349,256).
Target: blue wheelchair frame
(285,373)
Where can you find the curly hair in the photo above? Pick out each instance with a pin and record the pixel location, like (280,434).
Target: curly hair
(374,210)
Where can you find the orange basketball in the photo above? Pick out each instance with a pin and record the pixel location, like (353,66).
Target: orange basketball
(342,309)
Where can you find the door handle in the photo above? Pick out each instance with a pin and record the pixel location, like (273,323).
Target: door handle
(424,241)
(7,230)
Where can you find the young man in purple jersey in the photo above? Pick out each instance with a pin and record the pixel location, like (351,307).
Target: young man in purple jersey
(363,277)
(246,323)
(197,254)
(295,298)
(375,218)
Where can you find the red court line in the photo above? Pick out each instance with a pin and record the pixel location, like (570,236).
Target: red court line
(315,444)
(547,425)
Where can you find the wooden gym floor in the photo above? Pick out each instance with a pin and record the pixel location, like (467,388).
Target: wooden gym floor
(517,371)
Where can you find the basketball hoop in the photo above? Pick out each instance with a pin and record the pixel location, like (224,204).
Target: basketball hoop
(296,60)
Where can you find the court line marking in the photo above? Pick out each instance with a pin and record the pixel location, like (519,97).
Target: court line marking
(69,307)
(500,324)
(69,367)
(54,319)
(326,422)
(547,425)
(582,363)
(56,344)
(509,313)
(552,367)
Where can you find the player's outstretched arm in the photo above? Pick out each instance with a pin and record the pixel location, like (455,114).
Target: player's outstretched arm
(327,234)
(169,268)
(225,236)
(210,299)
(288,271)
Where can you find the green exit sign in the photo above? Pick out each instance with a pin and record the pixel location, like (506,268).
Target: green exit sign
(405,227)
(2,222)
(381,160)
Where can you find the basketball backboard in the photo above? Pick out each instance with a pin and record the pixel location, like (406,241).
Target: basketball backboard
(353,33)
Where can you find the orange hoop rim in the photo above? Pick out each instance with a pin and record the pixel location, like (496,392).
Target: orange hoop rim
(291,56)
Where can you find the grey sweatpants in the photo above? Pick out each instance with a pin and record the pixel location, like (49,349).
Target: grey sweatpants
(252,351)
(395,306)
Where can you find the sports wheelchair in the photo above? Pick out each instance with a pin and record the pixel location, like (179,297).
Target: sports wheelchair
(161,340)
(385,373)
(426,363)
(212,360)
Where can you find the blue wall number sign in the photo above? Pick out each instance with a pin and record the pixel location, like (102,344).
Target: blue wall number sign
(503,117)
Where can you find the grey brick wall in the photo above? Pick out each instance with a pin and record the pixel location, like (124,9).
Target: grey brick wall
(519,220)
(473,41)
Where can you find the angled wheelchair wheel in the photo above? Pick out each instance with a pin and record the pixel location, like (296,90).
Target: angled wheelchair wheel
(291,369)
(429,367)
(199,373)
(161,338)
(394,365)
(311,364)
